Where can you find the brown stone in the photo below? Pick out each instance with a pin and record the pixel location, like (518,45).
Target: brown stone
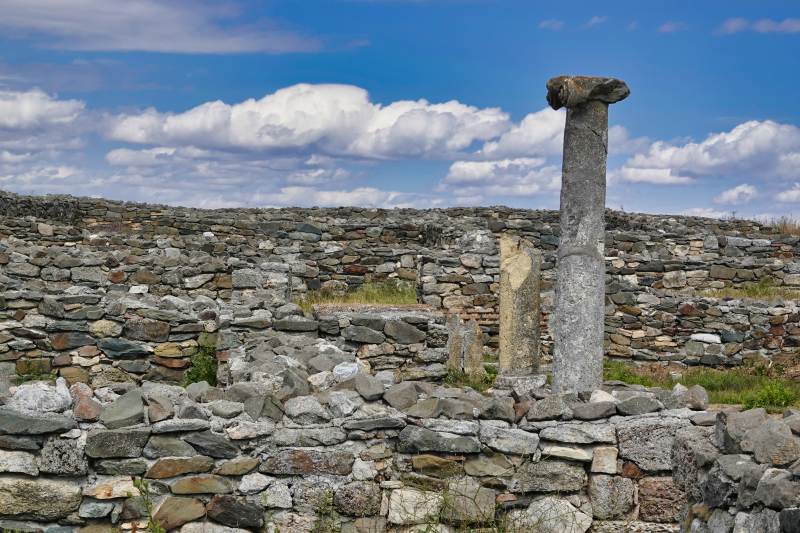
(202,484)
(145,277)
(168,349)
(171,363)
(237,467)
(300,461)
(74,374)
(176,466)
(175,511)
(358,270)
(70,340)
(33,366)
(433,465)
(660,500)
(117,276)
(629,469)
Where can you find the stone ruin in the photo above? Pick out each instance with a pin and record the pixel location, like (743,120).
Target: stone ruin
(335,420)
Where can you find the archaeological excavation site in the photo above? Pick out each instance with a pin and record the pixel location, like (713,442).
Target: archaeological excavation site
(354,370)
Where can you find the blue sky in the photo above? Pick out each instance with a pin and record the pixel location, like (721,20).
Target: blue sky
(397,102)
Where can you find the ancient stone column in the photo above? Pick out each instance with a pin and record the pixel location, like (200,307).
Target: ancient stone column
(520,269)
(580,285)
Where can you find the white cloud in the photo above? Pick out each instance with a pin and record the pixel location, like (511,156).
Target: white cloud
(737,195)
(789,195)
(596,21)
(659,176)
(538,134)
(672,26)
(736,25)
(361,196)
(505,177)
(551,24)
(328,119)
(755,148)
(34,109)
(706,212)
(178,26)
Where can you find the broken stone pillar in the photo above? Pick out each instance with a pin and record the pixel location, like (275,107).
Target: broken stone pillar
(578,320)
(520,270)
(464,345)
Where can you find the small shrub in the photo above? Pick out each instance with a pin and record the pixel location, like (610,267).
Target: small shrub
(327,519)
(480,381)
(204,367)
(772,396)
(619,371)
(144,493)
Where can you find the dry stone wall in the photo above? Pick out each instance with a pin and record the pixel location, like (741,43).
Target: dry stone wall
(271,452)
(73,271)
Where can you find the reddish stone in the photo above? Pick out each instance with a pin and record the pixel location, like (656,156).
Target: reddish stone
(88,351)
(117,276)
(145,277)
(85,407)
(70,340)
(660,500)
(74,374)
(358,270)
(630,470)
(688,309)
(62,359)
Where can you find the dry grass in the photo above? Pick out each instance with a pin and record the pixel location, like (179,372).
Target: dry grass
(386,293)
(765,289)
(785,225)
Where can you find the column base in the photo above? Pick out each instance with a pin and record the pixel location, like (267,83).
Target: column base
(521,385)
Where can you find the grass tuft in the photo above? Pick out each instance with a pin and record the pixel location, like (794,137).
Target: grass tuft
(751,385)
(385,292)
(785,225)
(764,289)
(480,381)
(204,367)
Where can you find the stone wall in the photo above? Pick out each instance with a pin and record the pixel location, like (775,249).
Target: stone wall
(237,267)
(741,474)
(272,452)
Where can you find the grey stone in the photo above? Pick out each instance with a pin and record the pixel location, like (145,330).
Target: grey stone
(363,335)
(416,439)
(160,446)
(63,457)
(731,428)
(369,387)
(122,348)
(548,476)
(648,441)
(612,496)
(468,502)
(402,395)
(511,441)
(105,443)
(358,498)
(30,423)
(127,410)
(296,323)
(212,444)
(38,499)
(551,514)
(594,411)
(772,442)
(580,433)
(403,332)
(639,405)
(777,490)
(552,407)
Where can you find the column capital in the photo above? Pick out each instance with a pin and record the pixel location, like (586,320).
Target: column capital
(572,91)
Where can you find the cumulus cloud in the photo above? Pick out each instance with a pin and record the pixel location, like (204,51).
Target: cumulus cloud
(765,149)
(790,195)
(505,177)
(178,26)
(765,25)
(328,119)
(537,134)
(707,212)
(737,195)
(34,109)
